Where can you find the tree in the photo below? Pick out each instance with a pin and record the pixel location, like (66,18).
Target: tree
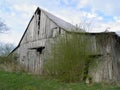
(3,26)
(5,49)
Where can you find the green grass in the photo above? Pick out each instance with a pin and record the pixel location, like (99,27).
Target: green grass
(22,81)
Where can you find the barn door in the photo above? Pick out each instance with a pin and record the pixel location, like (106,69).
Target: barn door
(35,61)
(31,61)
(38,63)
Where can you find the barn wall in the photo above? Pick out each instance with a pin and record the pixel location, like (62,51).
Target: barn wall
(107,68)
(36,36)
(107,56)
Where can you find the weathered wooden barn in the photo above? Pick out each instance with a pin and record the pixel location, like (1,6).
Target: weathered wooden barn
(44,27)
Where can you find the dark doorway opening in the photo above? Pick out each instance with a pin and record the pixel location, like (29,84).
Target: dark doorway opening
(39,49)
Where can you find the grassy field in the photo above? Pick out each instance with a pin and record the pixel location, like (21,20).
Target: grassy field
(22,81)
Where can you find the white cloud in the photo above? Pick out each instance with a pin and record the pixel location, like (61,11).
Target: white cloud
(92,15)
(113,26)
(66,2)
(82,3)
(25,8)
(11,37)
(117,19)
(108,7)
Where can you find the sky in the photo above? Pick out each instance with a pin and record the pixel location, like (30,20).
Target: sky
(98,15)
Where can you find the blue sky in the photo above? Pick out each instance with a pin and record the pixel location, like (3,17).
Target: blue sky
(101,13)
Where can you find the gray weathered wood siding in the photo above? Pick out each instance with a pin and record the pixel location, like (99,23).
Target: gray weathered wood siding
(43,29)
(107,69)
(36,37)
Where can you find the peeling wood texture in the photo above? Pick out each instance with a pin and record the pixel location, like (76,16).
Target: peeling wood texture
(42,30)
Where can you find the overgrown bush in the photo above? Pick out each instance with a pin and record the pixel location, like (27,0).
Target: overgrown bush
(8,62)
(5,50)
(69,59)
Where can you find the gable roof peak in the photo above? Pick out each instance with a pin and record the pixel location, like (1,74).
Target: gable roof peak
(58,21)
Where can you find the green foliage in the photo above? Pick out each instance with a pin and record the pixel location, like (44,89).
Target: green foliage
(5,49)
(22,81)
(8,62)
(69,60)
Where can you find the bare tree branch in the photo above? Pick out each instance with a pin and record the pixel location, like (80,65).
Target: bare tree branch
(6,48)
(3,27)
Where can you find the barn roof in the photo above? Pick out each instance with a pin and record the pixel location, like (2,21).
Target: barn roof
(61,23)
